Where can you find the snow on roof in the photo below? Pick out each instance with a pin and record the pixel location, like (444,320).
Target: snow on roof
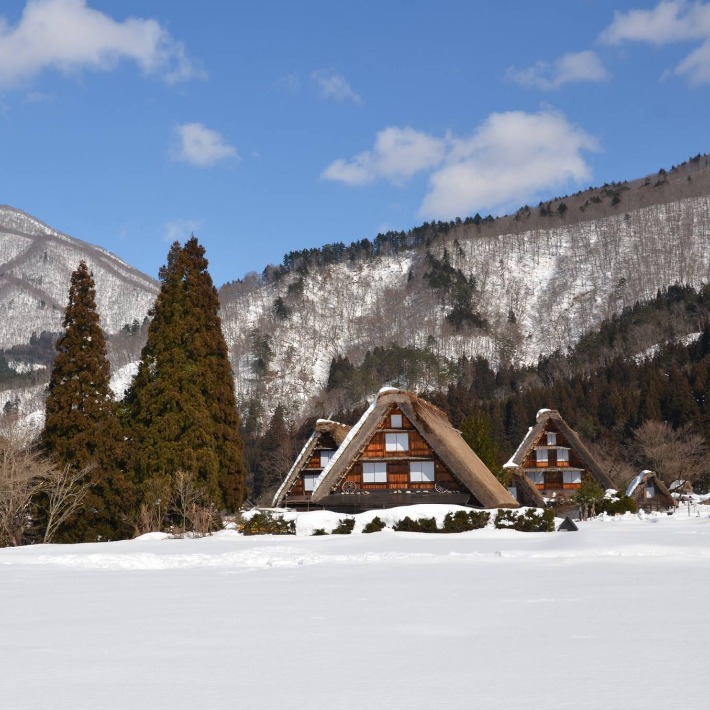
(510,463)
(296,464)
(384,390)
(346,441)
(540,412)
(636,482)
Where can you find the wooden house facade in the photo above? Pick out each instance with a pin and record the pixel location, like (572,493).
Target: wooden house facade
(404,451)
(297,488)
(552,460)
(650,493)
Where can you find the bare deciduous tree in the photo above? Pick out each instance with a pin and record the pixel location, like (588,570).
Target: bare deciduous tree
(675,454)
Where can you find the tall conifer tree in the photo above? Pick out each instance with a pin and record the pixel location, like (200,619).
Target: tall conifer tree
(81,428)
(181,410)
(79,403)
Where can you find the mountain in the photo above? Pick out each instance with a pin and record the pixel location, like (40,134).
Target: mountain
(509,289)
(36,263)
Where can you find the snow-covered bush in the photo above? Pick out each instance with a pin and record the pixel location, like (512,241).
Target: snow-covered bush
(462,521)
(423,525)
(265,523)
(531,520)
(375,525)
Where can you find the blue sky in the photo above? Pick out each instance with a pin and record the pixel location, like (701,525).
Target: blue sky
(272,126)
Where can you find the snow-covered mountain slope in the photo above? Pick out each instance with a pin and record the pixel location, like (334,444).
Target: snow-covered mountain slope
(36,263)
(539,289)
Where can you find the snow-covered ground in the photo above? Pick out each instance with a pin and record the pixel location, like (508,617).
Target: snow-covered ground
(612,616)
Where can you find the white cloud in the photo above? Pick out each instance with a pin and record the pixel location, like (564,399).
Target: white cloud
(675,21)
(201,146)
(399,153)
(69,36)
(570,68)
(334,86)
(178,230)
(508,160)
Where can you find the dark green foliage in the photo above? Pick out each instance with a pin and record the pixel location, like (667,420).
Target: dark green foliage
(270,458)
(623,504)
(375,525)
(457,290)
(463,521)
(344,527)
(318,532)
(261,347)
(589,492)
(531,520)
(476,432)
(81,428)
(268,524)
(422,525)
(181,411)
(280,309)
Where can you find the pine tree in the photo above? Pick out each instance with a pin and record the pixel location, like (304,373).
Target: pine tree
(80,399)
(81,428)
(181,410)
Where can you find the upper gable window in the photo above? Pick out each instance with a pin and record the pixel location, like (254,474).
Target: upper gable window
(396,442)
(325,457)
(551,438)
(396,421)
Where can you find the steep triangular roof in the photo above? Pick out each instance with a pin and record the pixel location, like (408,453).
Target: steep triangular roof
(545,417)
(434,427)
(646,477)
(337,430)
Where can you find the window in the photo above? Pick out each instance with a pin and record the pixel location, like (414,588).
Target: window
(325,456)
(309,481)
(396,421)
(396,442)
(420,471)
(541,455)
(571,477)
(650,491)
(551,438)
(563,455)
(374,472)
(536,476)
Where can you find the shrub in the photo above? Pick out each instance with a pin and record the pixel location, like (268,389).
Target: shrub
(462,521)
(345,527)
(375,525)
(268,524)
(318,532)
(530,521)
(423,525)
(616,506)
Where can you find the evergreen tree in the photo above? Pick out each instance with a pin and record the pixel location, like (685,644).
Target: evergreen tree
(181,410)
(81,429)
(80,400)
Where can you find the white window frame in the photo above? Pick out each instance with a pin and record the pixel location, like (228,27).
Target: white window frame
(650,491)
(374,472)
(325,456)
(396,441)
(309,481)
(571,477)
(536,477)
(551,438)
(396,421)
(563,455)
(422,472)
(541,455)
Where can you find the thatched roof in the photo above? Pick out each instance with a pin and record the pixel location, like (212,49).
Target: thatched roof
(434,427)
(528,494)
(645,478)
(544,418)
(337,430)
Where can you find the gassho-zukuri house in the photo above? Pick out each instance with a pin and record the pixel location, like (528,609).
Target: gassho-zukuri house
(551,461)
(402,451)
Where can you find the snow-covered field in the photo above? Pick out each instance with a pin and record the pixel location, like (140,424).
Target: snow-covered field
(612,616)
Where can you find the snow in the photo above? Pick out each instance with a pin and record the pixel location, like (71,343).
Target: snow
(540,412)
(510,463)
(636,482)
(386,620)
(121,379)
